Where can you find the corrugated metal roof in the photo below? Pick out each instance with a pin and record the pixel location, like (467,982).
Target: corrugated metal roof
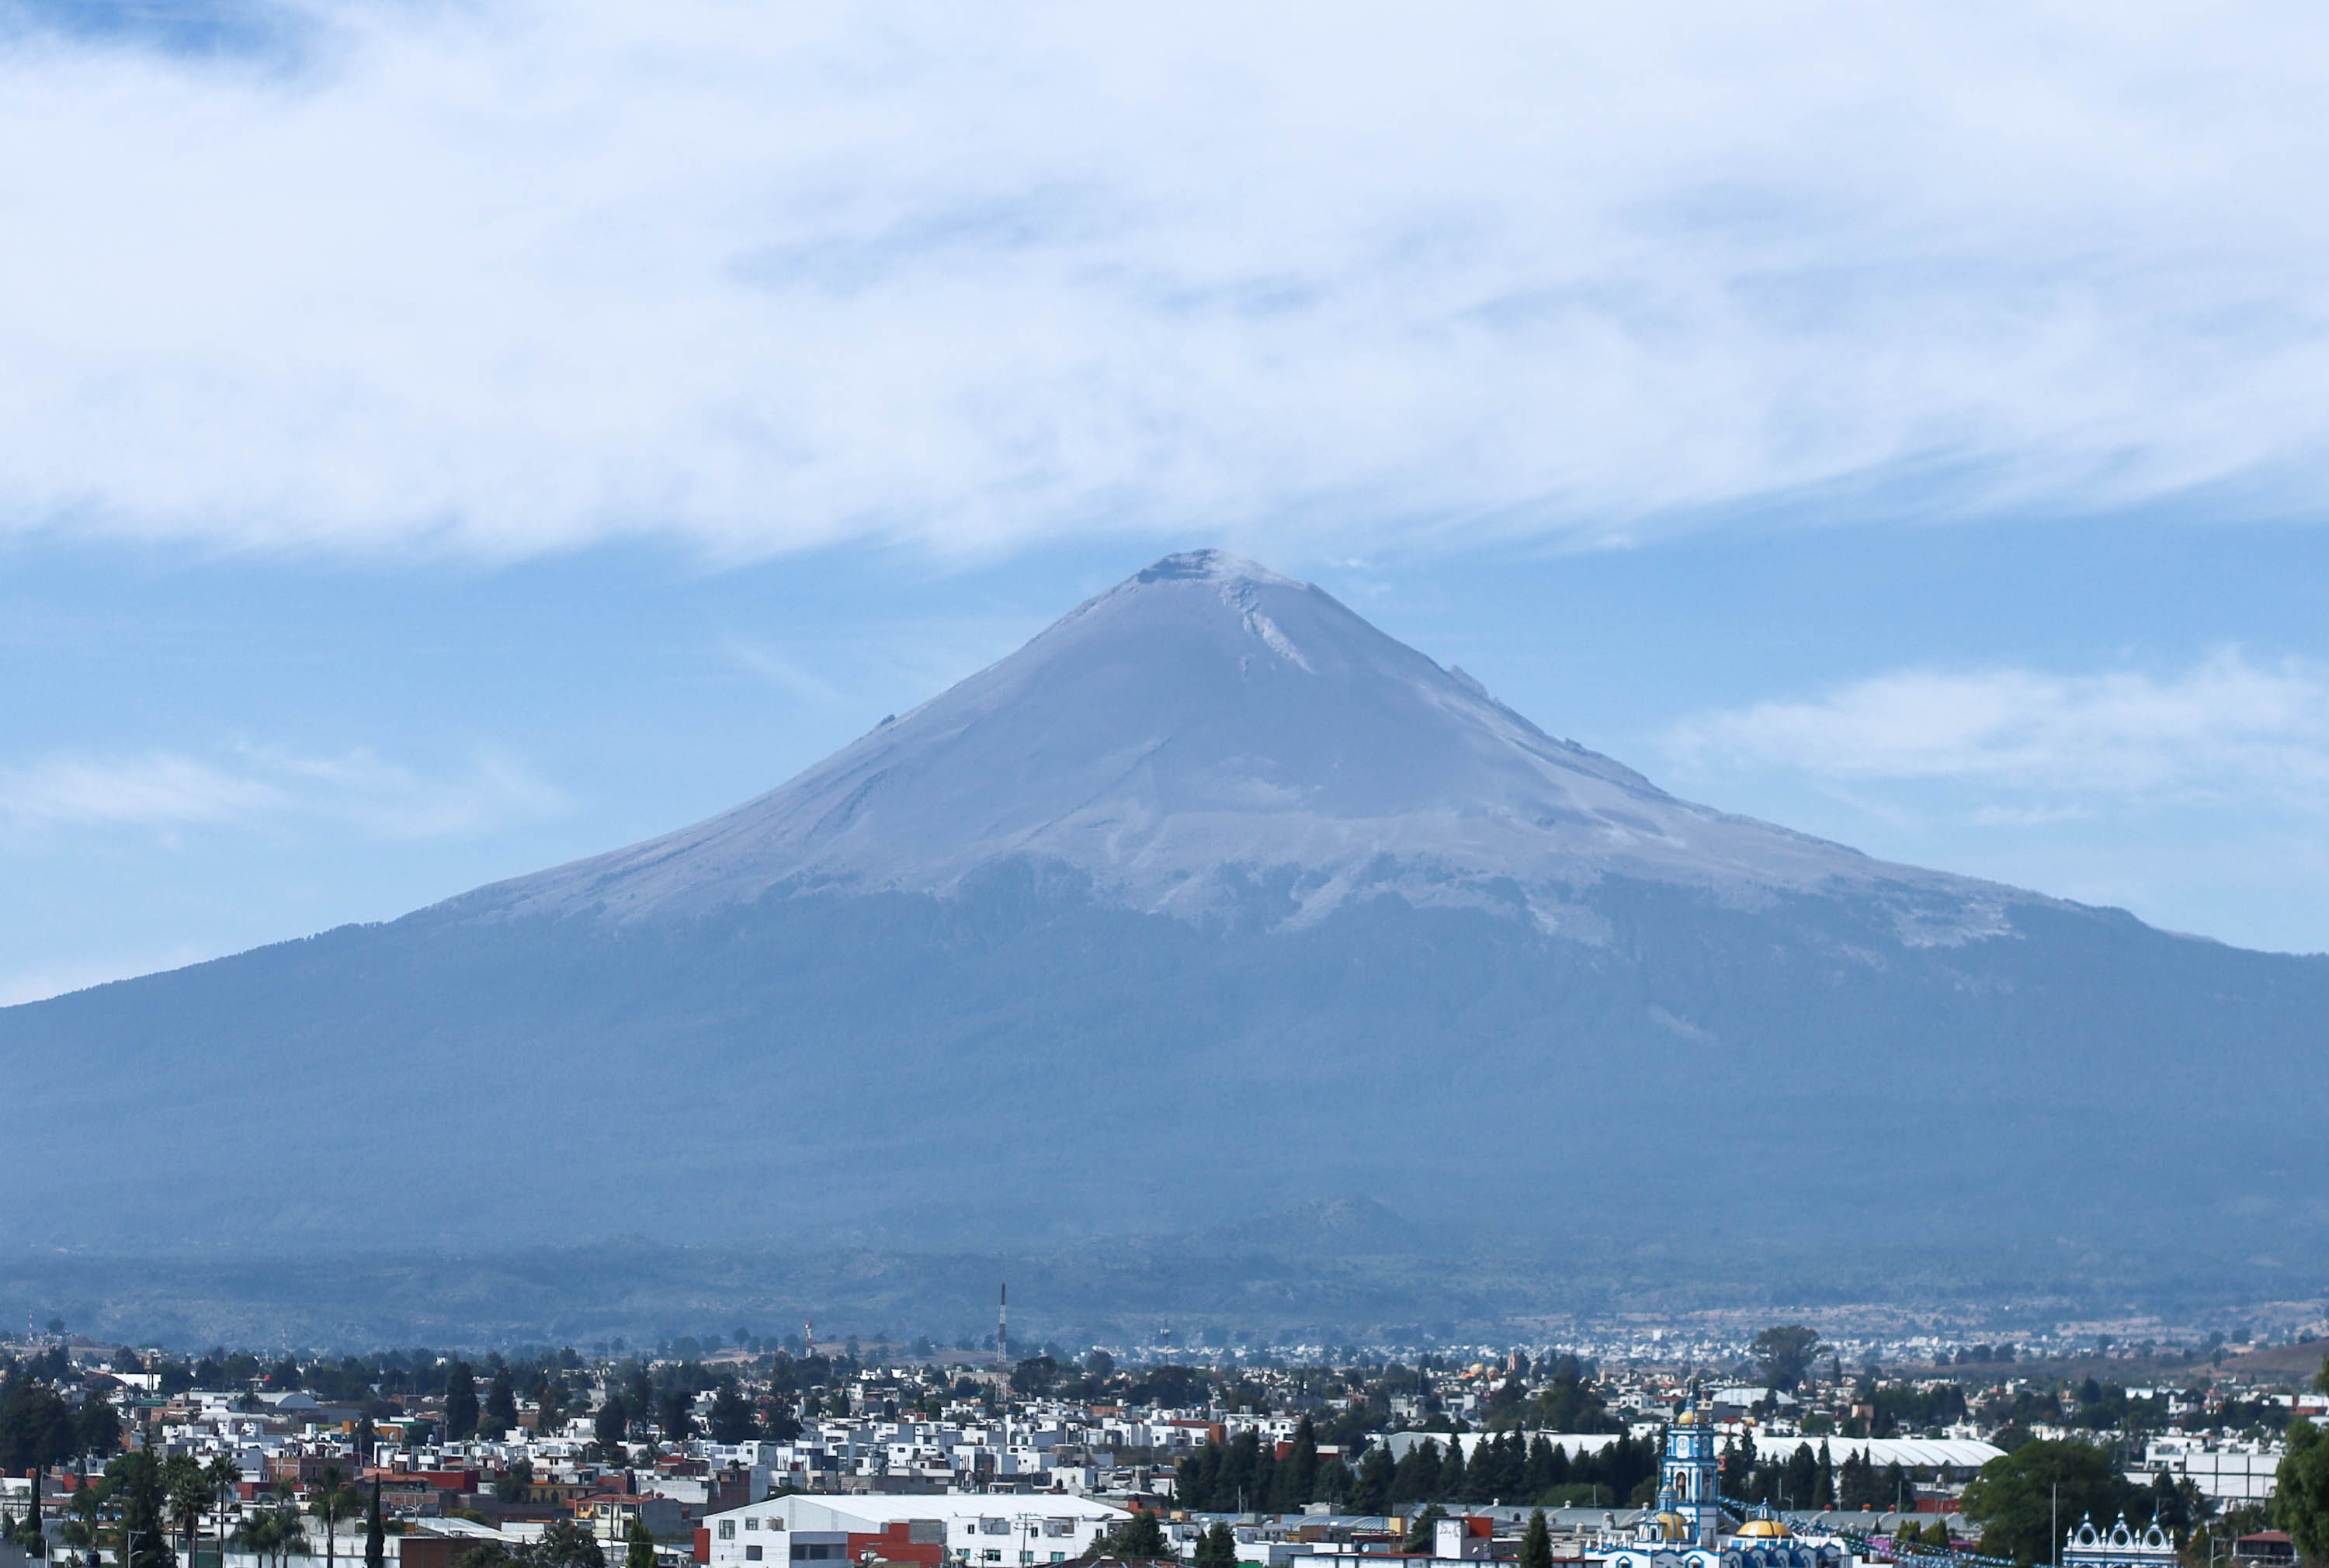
(1576,1443)
(1909,1453)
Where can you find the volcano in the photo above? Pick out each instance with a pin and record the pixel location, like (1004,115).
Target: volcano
(1211,900)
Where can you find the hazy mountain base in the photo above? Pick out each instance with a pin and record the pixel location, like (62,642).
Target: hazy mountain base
(1020,1068)
(1122,1296)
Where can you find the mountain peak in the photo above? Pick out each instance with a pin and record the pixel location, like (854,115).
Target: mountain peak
(1206,729)
(1210,566)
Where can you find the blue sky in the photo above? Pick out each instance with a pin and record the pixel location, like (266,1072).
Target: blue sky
(443,439)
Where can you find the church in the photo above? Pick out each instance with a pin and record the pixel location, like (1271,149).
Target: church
(1685,1528)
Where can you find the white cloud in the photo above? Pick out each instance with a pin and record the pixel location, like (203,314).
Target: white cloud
(2058,746)
(159,791)
(504,277)
(246,786)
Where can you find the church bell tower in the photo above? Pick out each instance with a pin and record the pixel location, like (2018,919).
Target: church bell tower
(1690,1474)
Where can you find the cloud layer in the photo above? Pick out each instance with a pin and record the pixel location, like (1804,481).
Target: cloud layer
(502,277)
(2024,745)
(169,793)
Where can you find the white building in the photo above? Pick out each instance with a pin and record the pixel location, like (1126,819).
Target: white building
(2229,1473)
(984,1529)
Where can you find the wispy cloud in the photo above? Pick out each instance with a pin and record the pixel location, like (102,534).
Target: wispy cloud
(156,791)
(2227,729)
(245,785)
(505,276)
(898,662)
(757,658)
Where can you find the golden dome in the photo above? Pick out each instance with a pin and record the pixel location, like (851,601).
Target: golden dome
(1672,1527)
(1690,1418)
(1765,1529)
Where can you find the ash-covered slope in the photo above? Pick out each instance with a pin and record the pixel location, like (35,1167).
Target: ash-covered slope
(1211,901)
(1208,727)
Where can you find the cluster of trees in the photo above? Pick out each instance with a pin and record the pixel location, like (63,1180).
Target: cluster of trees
(1800,1479)
(1784,1354)
(2016,1502)
(141,1504)
(372,1378)
(1934,1535)
(1245,1474)
(1909,1406)
(1566,1402)
(1502,1466)
(2105,1408)
(1096,1378)
(1169,1385)
(1141,1539)
(2301,1488)
(37,1427)
(557,1382)
(645,1401)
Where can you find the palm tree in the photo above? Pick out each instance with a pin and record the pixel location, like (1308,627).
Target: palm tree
(285,1535)
(260,1533)
(290,1535)
(225,1477)
(187,1486)
(331,1499)
(87,1506)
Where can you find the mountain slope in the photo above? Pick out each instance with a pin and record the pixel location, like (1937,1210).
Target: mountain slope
(1211,901)
(1208,726)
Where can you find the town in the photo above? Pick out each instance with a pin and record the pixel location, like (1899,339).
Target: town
(1777,1452)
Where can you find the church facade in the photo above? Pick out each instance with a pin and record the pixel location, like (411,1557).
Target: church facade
(1685,1529)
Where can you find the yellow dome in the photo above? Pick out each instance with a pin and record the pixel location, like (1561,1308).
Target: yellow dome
(1673,1526)
(1690,1418)
(1764,1528)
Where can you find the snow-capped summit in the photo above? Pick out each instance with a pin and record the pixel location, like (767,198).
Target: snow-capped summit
(1209,727)
(1211,566)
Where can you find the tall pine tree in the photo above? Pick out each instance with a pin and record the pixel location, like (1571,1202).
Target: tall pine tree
(1417,1477)
(1536,1545)
(1296,1481)
(1536,1476)
(1451,1472)
(500,1415)
(460,1403)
